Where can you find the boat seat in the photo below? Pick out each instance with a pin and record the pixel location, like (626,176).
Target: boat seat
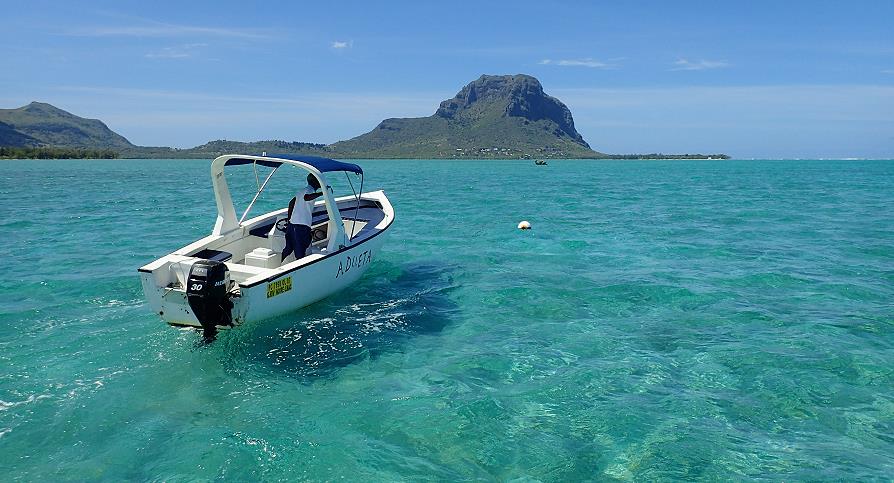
(216,255)
(263,230)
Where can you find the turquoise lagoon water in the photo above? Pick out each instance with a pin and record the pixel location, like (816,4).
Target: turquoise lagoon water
(680,319)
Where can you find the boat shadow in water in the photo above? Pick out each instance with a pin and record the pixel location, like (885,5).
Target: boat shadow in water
(391,304)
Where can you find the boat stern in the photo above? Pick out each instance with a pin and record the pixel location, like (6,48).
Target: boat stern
(188,291)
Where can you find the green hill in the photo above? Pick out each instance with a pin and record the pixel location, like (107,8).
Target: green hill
(216,148)
(213,149)
(494,116)
(51,126)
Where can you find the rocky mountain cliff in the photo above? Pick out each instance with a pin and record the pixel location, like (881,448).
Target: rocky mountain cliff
(493,116)
(518,96)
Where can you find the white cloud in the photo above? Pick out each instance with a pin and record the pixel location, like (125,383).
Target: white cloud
(888,71)
(158,29)
(168,53)
(587,62)
(184,51)
(339,44)
(685,64)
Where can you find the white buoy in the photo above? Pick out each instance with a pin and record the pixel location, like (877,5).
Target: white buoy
(524,225)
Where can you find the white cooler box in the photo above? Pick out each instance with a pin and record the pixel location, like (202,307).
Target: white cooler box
(262,258)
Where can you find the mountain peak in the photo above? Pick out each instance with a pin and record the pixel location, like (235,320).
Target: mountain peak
(489,88)
(36,106)
(519,96)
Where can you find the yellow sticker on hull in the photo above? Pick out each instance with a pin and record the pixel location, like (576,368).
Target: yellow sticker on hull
(278,287)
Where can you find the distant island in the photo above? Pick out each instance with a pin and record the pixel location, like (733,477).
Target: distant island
(493,117)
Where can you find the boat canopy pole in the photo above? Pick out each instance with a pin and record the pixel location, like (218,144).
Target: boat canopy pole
(356,195)
(260,189)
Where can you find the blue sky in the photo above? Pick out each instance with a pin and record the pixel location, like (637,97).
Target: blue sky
(753,79)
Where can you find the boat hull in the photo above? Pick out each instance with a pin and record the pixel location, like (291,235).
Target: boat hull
(309,281)
(307,284)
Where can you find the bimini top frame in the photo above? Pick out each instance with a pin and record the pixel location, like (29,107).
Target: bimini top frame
(226,212)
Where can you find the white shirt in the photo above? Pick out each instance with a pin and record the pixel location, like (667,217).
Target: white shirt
(302,213)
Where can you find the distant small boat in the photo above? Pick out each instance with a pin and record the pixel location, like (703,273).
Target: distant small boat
(235,275)
(540,162)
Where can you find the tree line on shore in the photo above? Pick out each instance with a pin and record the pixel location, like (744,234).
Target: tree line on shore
(46,152)
(55,153)
(667,156)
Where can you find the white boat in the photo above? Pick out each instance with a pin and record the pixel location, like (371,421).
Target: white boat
(235,275)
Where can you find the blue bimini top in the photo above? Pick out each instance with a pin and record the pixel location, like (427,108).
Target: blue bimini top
(322,164)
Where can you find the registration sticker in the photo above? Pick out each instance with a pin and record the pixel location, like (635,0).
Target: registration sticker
(277,287)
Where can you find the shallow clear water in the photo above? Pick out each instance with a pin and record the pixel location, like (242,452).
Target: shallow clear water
(680,319)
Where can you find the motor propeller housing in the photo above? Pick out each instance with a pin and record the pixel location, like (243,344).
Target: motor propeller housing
(207,293)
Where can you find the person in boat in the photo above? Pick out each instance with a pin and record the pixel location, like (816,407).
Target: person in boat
(298,231)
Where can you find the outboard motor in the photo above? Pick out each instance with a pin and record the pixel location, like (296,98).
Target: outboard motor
(206,292)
